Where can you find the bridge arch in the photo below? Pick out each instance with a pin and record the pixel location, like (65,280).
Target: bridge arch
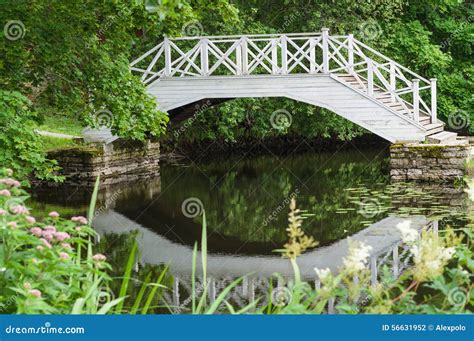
(338,73)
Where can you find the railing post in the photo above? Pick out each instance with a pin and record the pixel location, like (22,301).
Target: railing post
(370,77)
(204,58)
(274,56)
(373,270)
(325,38)
(167,52)
(434,106)
(393,81)
(245,57)
(416,100)
(312,55)
(395,260)
(238,58)
(284,56)
(350,44)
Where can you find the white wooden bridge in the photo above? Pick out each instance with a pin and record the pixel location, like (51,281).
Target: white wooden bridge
(335,72)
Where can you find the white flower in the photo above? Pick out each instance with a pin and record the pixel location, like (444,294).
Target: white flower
(323,273)
(409,235)
(447,253)
(358,255)
(433,266)
(416,251)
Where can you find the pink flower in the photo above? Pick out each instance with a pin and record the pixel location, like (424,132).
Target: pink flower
(80,219)
(99,257)
(64,255)
(61,236)
(48,235)
(53,214)
(35,293)
(19,209)
(30,219)
(5,193)
(78,228)
(50,228)
(12,224)
(2,212)
(37,231)
(10,182)
(66,246)
(46,243)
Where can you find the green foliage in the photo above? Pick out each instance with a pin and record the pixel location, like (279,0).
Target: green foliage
(42,270)
(73,57)
(20,147)
(47,265)
(433,38)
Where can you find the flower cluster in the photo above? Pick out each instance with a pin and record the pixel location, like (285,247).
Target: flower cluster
(430,253)
(409,235)
(40,255)
(298,241)
(356,260)
(323,274)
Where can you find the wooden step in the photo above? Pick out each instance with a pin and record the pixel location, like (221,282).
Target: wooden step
(425,120)
(434,128)
(442,137)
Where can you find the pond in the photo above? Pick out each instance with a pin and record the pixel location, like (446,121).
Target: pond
(246,201)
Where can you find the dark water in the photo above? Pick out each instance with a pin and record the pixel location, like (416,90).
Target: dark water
(246,202)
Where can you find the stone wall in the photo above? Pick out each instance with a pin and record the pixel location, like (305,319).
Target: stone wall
(429,162)
(116,162)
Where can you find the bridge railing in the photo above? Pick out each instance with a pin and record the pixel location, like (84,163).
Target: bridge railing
(396,257)
(285,54)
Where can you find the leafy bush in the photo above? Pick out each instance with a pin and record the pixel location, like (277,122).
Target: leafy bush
(47,266)
(43,268)
(20,147)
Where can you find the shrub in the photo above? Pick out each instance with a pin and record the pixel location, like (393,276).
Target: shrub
(20,147)
(46,265)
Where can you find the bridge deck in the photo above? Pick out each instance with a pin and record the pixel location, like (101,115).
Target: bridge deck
(320,90)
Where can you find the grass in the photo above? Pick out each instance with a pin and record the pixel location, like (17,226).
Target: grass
(62,124)
(55,143)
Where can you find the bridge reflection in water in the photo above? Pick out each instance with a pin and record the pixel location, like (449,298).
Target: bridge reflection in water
(258,270)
